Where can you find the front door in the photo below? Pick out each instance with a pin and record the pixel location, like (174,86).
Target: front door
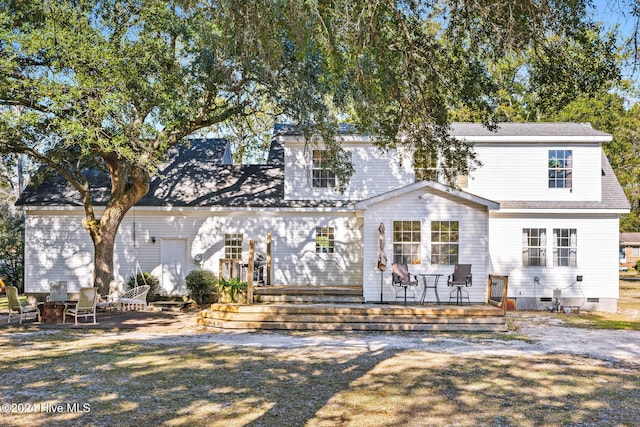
(174,266)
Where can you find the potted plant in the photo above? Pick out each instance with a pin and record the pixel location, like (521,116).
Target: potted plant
(232,290)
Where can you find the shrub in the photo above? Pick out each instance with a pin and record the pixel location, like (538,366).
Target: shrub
(638,265)
(145,279)
(201,284)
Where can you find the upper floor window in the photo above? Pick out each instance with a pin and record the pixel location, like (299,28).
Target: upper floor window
(321,176)
(233,245)
(425,165)
(565,247)
(534,247)
(406,242)
(560,168)
(445,239)
(325,240)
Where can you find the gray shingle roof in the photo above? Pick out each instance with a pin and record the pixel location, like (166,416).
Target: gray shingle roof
(193,176)
(196,176)
(630,238)
(527,129)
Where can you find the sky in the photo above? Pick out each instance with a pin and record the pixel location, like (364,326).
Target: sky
(616,12)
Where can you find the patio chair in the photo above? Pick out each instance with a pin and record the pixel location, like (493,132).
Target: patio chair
(461,278)
(402,279)
(85,307)
(115,291)
(134,298)
(15,306)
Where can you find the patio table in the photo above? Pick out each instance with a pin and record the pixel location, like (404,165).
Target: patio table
(435,277)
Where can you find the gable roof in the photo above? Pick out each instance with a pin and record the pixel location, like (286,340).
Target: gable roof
(436,186)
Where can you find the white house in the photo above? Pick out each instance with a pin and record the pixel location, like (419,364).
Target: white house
(543,209)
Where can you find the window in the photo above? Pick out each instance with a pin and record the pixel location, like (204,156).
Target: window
(444,242)
(635,251)
(564,247)
(534,247)
(321,176)
(406,242)
(560,168)
(324,240)
(233,245)
(425,165)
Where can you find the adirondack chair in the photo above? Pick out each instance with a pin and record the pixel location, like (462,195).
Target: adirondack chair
(402,279)
(85,307)
(15,306)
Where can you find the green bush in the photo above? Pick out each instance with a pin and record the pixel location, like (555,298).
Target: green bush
(202,284)
(145,279)
(638,265)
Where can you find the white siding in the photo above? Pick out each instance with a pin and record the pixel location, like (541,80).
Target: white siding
(376,172)
(58,248)
(520,172)
(426,207)
(597,257)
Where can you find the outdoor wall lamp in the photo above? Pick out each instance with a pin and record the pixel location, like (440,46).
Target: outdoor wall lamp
(153,240)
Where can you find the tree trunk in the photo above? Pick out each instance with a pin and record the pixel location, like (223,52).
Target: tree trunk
(128,185)
(103,244)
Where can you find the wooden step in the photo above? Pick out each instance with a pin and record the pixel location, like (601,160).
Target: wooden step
(309,294)
(309,299)
(355,317)
(498,326)
(308,290)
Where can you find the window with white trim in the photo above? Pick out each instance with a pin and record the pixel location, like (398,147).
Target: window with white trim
(321,176)
(406,242)
(445,238)
(565,244)
(534,247)
(233,245)
(325,240)
(425,165)
(560,168)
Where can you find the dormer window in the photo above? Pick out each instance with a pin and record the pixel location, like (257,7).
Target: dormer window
(560,168)
(321,176)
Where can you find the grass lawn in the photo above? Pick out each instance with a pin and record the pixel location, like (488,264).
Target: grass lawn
(150,383)
(70,377)
(627,317)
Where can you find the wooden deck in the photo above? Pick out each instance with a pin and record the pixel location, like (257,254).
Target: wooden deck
(341,309)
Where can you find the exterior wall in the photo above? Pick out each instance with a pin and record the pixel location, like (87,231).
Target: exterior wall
(520,172)
(629,259)
(425,206)
(376,172)
(597,260)
(58,248)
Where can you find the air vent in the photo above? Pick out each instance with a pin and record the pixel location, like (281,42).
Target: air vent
(545,300)
(593,299)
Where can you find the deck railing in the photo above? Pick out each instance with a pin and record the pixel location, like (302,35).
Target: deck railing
(497,287)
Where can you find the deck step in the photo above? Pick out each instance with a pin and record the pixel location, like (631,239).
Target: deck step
(309,299)
(309,294)
(353,317)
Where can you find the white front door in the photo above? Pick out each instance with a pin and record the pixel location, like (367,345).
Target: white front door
(174,266)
